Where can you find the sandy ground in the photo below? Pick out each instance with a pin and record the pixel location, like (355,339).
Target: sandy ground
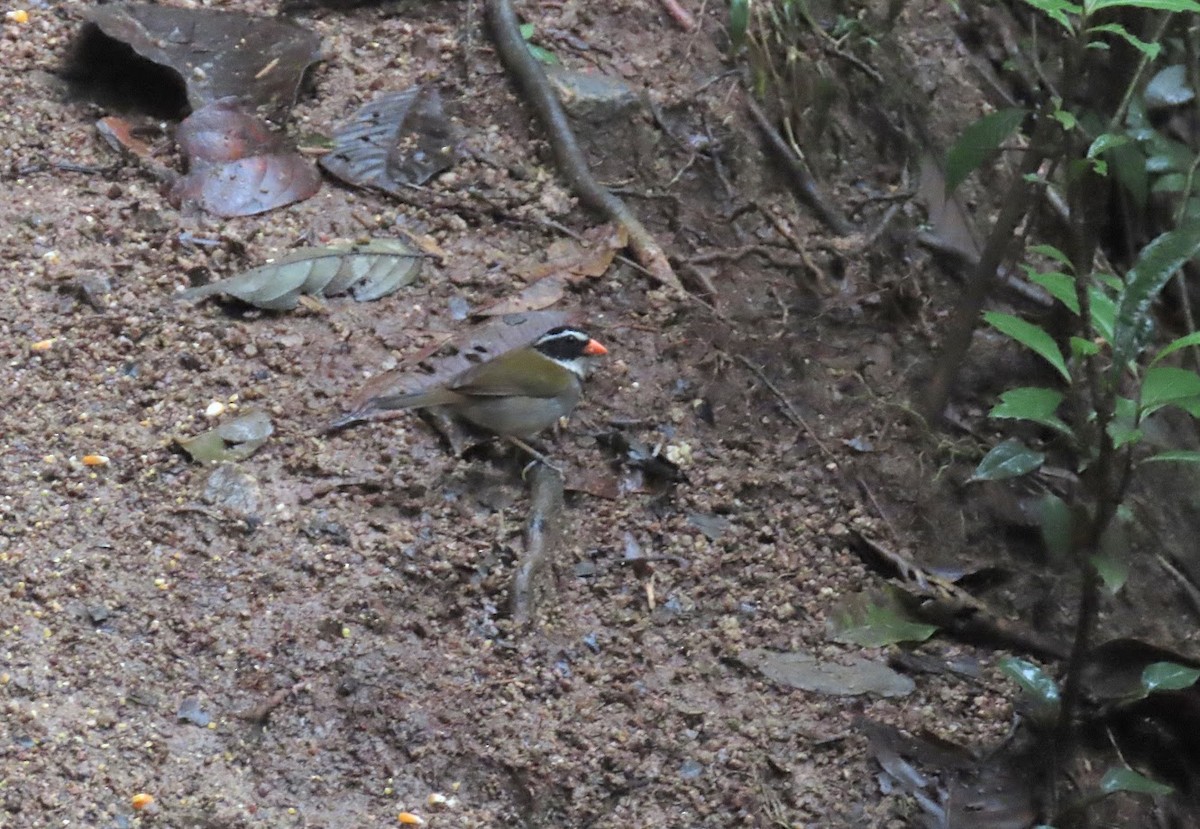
(318,635)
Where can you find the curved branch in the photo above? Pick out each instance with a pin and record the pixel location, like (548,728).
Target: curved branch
(536,91)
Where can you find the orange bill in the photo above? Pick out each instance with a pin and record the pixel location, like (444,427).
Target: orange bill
(594,349)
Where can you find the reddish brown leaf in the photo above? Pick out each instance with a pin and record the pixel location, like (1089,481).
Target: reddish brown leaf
(249,186)
(118,134)
(235,164)
(222,132)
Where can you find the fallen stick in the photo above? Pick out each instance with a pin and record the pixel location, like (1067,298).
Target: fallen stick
(682,17)
(542,532)
(803,184)
(536,91)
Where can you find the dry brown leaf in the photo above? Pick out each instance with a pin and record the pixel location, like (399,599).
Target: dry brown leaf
(575,261)
(535,297)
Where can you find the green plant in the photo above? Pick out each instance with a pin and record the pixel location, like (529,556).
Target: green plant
(1043,697)
(543,54)
(1110,372)
(801,64)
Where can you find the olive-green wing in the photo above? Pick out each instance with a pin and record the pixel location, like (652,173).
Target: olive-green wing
(522,373)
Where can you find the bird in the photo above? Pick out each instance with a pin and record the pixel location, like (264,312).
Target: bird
(517,394)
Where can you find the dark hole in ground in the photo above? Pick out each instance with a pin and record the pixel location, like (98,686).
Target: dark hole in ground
(110,74)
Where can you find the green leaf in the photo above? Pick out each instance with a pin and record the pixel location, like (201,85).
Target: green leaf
(1123,433)
(370,271)
(1167,385)
(1051,252)
(1104,312)
(1056,526)
(1128,164)
(1175,345)
(1090,7)
(1030,336)
(1157,263)
(1059,285)
(1106,142)
(1169,88)
(1032,403)
(543,55)
(540,54)
(1057,10)
(1168,676)
(1170,183)
(1122,779)
(1150,50)
(1112,560)
(1179,456)
(739,22)
(978,142)
(1113,572)
(1064,117)
(234,440)
(1007,460)
(1083,348)
(1123,428)
(870,625)
(1033,680)
(1167,156)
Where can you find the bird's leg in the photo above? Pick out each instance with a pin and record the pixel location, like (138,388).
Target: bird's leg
(535,454)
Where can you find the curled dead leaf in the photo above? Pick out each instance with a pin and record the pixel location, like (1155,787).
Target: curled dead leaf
(370,271)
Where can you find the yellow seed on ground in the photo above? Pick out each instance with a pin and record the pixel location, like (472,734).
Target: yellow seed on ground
(43,345)
(95,460)
(142,800)
(410,819)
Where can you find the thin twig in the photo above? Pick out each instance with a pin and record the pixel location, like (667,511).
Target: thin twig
(767,252)
(1189,588)
(878,231)
(786,232)
(788,408)
(868,70)
(878,508)
(803,184)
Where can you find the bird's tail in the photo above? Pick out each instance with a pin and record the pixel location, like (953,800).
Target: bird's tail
(393,402)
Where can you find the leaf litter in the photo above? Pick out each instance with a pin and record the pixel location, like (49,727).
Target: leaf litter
(568,262)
